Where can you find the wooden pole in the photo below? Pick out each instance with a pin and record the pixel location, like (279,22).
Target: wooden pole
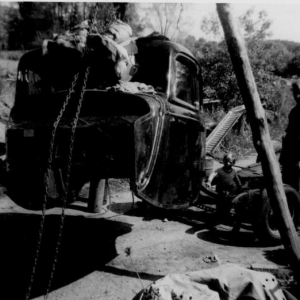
(96,194)
(260,131)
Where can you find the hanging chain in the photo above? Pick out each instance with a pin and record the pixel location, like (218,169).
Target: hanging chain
(50,157)
(65,193)
(48,170)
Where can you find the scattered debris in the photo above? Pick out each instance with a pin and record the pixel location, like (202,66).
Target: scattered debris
(211,259)
(150,294)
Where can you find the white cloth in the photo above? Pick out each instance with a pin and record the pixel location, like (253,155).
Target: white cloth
(226,282)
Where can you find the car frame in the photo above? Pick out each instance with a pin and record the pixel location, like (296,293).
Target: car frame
(157,140)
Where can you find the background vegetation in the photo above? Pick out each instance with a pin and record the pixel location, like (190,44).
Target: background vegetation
(275,63)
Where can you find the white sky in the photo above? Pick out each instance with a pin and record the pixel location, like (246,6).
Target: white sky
(285,17)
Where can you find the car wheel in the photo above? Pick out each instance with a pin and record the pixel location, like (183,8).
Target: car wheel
(266,226)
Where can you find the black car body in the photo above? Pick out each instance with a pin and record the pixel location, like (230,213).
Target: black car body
(155,139)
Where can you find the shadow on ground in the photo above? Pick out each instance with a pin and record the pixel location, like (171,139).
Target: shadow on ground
(224,235)
(277,256)
(199,220)
(87,245)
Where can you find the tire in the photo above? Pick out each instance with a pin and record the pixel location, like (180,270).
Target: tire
(266,227)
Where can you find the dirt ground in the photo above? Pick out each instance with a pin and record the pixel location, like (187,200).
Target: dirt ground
(93,260)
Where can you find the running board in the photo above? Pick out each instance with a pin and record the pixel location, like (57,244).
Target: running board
(222,129)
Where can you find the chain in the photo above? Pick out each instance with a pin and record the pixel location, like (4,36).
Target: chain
(50,157)
(65,194)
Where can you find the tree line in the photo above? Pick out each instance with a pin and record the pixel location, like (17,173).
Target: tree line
(26,24)
(274,63)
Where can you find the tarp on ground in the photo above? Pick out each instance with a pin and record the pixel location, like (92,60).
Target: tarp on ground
(226,282)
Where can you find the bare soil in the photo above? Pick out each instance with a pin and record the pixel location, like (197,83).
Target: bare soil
(102,256)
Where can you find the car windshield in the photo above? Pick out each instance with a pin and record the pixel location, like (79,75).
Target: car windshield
(153,67)
(186,80)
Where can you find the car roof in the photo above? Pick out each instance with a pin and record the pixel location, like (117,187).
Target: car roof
(164,44)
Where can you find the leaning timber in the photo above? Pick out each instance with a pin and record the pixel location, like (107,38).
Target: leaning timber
(261,136)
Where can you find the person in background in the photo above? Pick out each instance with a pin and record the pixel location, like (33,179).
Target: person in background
(227,186)
(290,155)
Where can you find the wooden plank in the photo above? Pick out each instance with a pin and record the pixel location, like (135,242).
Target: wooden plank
(261,136)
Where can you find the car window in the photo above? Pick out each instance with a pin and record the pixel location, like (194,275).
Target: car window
(153,67)
(186,78)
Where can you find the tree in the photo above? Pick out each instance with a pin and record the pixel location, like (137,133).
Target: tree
(211,26)
(219,79)
(3,30)
(13,29)
(165,18)
(27,24)
(133,19)
(169,17)
(75,16)
(253,27)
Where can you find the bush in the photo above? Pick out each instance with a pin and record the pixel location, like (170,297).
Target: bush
(240,145)
(240,142)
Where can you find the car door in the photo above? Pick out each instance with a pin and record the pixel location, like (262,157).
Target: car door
(185,151)
(180,148)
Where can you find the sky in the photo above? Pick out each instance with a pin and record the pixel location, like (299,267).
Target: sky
(285,15)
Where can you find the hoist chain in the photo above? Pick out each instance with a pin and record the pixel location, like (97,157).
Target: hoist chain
(65,193)
(206,208)
(209,208)
(47,178)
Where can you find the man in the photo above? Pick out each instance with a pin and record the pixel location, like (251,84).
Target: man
(227,185)
(290,155)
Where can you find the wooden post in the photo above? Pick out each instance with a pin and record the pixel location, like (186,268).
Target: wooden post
(96,194)
(260,131)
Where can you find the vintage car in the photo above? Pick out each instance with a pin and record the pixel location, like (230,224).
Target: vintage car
(154,138)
